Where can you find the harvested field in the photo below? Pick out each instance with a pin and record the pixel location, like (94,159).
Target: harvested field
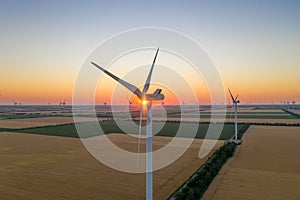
(44,167)
(295,111)
(265,166)
(245,120)
(244,116)
(42,121)
(240,120)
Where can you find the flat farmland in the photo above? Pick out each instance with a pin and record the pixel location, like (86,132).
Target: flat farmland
(110,126)
(43,167)
(40,121)
(295,111)
(244,116)
(265,166)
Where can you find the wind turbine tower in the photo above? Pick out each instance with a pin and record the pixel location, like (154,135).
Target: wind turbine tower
(64,106)
(162,110)
(130,108)
(16,104)
(235,101)
(294,104)
(144,99)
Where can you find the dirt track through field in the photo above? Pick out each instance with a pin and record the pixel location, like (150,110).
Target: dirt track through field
(49,167)
(265,166)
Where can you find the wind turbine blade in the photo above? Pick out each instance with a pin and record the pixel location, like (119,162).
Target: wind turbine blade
(147,84)
(231,95)
(236,97)
(127,85)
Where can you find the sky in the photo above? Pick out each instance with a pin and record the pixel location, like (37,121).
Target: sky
(254,44)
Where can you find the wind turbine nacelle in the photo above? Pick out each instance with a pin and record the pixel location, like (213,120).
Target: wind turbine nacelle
(156,95)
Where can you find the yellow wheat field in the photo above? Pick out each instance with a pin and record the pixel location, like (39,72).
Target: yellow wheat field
(49,167)
(265,166)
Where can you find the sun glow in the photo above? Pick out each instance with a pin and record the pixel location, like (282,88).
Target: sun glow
(144,102)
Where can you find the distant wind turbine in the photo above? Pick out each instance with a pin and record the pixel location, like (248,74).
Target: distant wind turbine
(130,107)
(144,99)
(294,104)
(235,101)
(63,103)
(15,109)
(15,103)
(162,110)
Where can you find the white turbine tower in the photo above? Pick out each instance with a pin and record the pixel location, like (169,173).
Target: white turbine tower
(15,108)
(143,96)
(130,107)
(235,101)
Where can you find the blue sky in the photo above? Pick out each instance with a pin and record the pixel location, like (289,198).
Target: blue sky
(248,38)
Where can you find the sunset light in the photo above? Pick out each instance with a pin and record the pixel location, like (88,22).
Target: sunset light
(144,102)
(150,100)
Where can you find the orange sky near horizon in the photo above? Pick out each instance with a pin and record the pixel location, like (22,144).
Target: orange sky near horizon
(54,97)
(32,90)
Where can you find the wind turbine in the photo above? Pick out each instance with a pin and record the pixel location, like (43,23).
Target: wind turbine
(130,108)
(15,103)
(105,104)
(15,109)
(148,98)
(294,104)
(235,101)
(162,110)
(64,106)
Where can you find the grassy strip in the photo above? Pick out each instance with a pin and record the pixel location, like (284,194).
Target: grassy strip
(196,187)
(6,129)
(197,184)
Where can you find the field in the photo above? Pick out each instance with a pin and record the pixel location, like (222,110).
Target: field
(258,114)
(295,111)
(109,126)
(41,121)
(32,116)
(61,168)
(265,166)
(34,164)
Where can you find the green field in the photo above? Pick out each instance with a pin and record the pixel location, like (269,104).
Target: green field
(20,116)
(169,129)
(244,116)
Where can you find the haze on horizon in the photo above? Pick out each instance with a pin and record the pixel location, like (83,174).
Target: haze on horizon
(254,44)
